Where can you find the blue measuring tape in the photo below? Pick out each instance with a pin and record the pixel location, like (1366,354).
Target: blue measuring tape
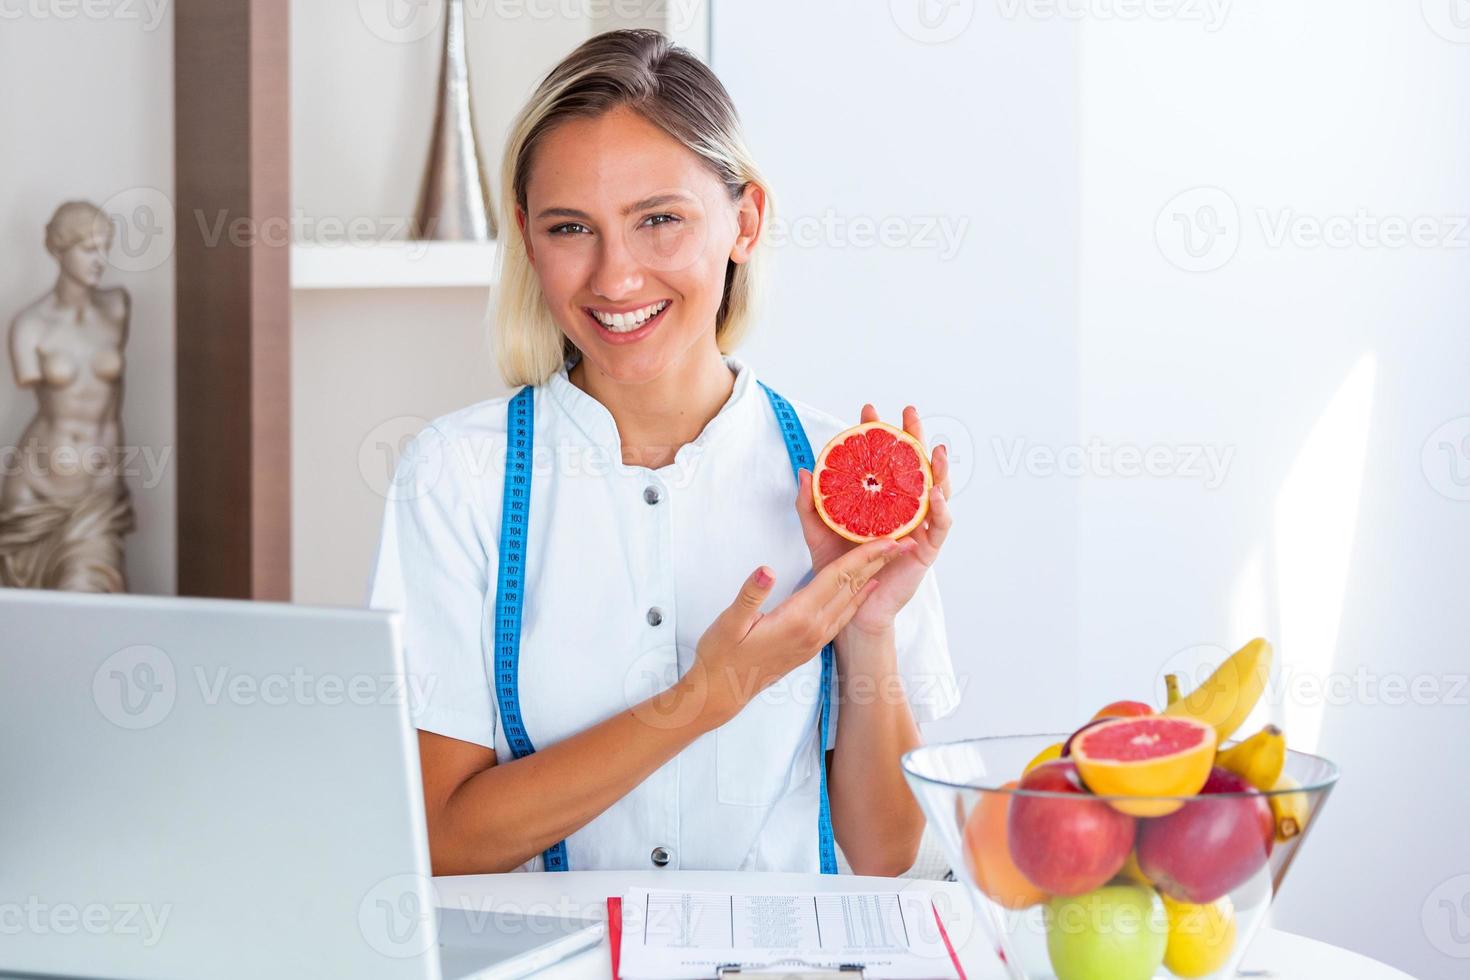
(515,514)
(799,451)
(515,510)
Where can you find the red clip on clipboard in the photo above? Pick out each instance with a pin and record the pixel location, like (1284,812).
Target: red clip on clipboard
(615,936)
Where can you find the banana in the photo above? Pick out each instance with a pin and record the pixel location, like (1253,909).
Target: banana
(1171,687)
(1048,754)
(1227,697)
(1259,759)
(1289,809)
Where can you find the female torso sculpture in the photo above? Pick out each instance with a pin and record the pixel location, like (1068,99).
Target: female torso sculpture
(64,506)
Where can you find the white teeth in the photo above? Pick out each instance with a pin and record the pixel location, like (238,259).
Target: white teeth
(624,322)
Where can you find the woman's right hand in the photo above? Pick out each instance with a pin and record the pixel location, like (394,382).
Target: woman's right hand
(744,651)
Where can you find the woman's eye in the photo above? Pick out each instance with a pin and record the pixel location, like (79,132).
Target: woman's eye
(654,220)
(568,229)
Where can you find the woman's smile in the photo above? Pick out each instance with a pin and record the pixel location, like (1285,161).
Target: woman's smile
(627,326)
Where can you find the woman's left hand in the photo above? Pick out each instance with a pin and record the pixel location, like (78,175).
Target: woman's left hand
(900,578)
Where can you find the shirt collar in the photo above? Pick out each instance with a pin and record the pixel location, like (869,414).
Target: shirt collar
(596,422)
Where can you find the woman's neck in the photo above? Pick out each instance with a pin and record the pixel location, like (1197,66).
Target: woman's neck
(72,294)
(656,418)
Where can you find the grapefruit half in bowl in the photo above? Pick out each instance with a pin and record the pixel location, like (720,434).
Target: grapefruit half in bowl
(1146,758)
(872,481)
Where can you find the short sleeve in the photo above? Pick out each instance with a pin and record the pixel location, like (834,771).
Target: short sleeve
(924,663)
(432,568)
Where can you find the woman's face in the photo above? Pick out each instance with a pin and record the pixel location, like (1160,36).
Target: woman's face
(623,223)
(85,261)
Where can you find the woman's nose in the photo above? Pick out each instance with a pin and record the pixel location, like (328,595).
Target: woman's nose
(618,272)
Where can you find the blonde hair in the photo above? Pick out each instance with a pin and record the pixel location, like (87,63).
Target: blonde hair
(646,72)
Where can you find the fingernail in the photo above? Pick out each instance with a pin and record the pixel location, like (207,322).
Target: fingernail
(763,577)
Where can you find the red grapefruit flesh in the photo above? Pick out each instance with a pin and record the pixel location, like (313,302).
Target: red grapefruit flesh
(1154,756)
(872,481)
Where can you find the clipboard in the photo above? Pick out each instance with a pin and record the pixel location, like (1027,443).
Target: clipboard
(788,968)
(730,971)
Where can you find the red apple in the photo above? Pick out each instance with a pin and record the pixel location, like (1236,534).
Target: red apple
(1208,847)
(1070,843)
(1124,709)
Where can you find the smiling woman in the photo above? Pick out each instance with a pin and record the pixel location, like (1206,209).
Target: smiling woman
(639,642)
(649,175)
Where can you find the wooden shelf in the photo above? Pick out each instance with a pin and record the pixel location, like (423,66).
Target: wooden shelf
(393,265)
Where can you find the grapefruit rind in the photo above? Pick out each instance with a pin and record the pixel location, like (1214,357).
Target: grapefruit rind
(1186,752)
(834,522)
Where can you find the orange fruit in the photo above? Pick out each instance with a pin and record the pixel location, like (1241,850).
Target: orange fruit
(1124,709)
(872,481)
(1145,757)
(988,853)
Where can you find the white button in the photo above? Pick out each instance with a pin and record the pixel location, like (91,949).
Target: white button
(661,856)
(651,495)
(655,616)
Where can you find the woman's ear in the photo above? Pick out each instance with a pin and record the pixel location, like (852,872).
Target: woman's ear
(750,220)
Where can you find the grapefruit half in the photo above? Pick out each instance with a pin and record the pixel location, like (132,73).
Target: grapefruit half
(1145,757)
(872,481)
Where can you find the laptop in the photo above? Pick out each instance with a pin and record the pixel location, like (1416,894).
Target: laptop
(204,787)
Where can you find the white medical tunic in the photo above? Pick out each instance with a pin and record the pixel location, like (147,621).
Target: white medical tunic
(625,569)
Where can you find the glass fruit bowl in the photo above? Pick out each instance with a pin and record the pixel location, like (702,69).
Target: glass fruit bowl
(1076,886)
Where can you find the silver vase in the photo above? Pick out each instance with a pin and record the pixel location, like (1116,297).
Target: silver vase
(454,199)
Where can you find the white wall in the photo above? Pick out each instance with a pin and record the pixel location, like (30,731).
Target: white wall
(854,120)
(371,366)
(88,114)
(1325,370)
(1316,376)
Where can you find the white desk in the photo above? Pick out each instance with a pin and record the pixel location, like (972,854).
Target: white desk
(1278,955)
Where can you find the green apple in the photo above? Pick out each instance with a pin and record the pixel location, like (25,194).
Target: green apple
(1116,932)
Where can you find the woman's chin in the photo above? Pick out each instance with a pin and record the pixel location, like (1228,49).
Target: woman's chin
(628,367)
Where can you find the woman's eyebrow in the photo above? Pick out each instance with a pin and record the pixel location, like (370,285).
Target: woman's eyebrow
(656,200)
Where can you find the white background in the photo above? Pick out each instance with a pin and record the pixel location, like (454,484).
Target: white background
(1061,132)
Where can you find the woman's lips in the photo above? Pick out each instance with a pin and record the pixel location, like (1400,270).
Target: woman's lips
(629,336)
